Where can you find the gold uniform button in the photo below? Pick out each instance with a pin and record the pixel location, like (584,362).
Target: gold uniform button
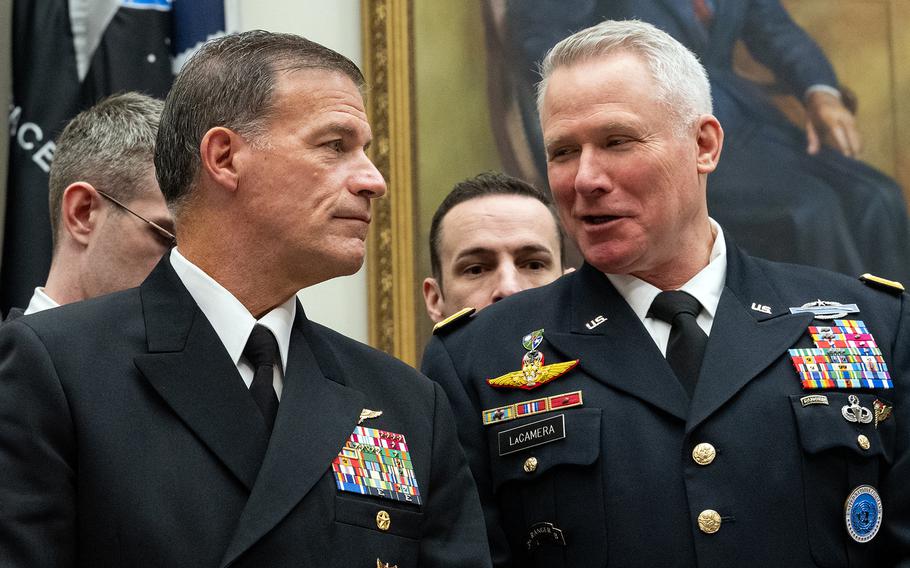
(709,521)
(383,521)
(704,453)
(530,465)
(863,441)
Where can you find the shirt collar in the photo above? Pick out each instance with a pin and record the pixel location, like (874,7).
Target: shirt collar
(706,286)
(40,301)
(229,318)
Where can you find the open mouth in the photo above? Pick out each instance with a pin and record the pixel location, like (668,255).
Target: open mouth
(598,219)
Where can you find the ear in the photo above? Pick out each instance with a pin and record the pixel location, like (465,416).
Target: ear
(432,297)
(80,208)
(218,153)
(710,140)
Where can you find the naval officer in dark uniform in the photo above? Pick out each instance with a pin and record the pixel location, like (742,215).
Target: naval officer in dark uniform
(675,402)
(201,419)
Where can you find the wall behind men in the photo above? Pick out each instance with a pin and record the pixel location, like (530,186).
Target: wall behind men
(340,303)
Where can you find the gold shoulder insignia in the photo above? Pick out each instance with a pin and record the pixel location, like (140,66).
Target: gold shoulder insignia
(892,286)
(461,315)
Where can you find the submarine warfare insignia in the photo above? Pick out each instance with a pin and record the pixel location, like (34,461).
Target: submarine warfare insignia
(825,310)
(533,372)
(845,356)
(378,463)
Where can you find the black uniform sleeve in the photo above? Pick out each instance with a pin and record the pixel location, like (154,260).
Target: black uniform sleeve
(37,456)
(454,533)
(437,364)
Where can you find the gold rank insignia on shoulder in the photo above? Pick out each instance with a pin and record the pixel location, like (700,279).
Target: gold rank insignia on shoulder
(892,286)
(381,564)
(460,315)
(533,372)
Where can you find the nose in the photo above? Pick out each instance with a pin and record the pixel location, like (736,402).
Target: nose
(508,282)
(369,182)
(591,176)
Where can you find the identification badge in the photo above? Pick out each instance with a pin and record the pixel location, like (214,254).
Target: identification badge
(532,434)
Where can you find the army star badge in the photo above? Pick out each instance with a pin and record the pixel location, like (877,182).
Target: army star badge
(533,372)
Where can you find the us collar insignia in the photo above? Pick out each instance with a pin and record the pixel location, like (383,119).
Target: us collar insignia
(533,372)
(845,356)
(378,463)
(826,310)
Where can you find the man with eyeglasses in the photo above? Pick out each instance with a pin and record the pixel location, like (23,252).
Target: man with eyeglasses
(109,220)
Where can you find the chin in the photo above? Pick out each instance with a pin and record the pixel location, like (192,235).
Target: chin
(610,259)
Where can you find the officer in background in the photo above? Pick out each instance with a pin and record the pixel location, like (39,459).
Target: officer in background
(492,236)
(675,402)
(109,220)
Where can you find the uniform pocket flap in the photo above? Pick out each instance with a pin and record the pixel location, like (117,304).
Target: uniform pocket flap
(843,421)
(378,515)
(524,450)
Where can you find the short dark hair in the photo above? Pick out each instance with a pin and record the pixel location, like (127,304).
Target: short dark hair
(230,82)
(110,145)
(482,185)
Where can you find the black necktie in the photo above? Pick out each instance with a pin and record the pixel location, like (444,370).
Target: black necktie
(686,347)
(261,351)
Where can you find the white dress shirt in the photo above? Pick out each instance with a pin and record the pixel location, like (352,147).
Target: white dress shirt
(40,301)
(706,287)
(233,322)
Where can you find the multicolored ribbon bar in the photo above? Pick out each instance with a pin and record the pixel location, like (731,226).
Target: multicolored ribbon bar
(378,463)
(845,356)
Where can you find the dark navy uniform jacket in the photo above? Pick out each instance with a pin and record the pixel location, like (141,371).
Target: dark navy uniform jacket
(127,438)
(622,487)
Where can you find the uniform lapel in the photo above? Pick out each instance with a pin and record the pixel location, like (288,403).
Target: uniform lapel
(189,368)
(744,341)
(316,416)
(618,352)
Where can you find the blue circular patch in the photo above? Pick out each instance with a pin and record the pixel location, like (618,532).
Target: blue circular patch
(863,513)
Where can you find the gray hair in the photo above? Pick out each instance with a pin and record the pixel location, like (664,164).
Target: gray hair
(230,82)
(682,82)
(110,145)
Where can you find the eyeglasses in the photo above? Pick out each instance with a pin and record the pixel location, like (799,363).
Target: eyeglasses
(167,236)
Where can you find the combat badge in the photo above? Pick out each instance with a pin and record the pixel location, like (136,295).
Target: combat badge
(378,463)
(845,356)
(863,513)
(533,372)
(826,310)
